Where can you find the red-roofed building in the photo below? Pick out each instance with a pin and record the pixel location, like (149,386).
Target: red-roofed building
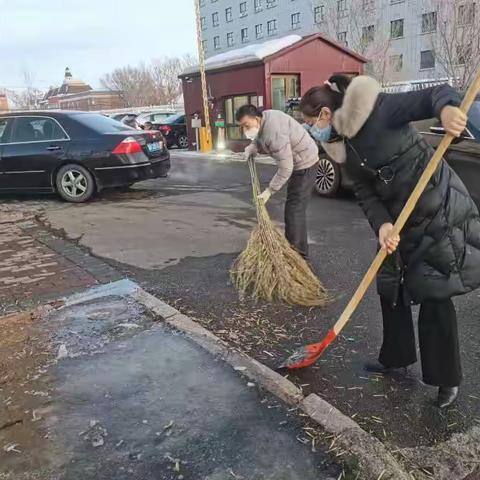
(75,94)
(266,75)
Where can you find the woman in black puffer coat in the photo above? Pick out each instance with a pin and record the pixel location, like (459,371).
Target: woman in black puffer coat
(439,253)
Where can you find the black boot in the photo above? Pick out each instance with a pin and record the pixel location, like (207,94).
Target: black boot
(446,396)
(377,367)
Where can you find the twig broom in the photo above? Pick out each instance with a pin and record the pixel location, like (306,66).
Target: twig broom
(269,268)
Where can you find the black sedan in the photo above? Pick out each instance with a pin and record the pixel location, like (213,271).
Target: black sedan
(75,154)
(174,129)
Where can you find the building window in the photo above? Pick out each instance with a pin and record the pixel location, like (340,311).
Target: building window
(368,4)
(295,21)
(202,3)
(272,27)
(427,59)
(429,22)
(396,28)
(259,31)
(232,104)
(271,3)
(258,6)
(215,20)
(244,33)
(396,62)
(230,41)
(466,13)
(228,14)
(284,87)
(243,9)
(213,1)
(203,23)
(342,38)
(216,42)
(393,2)
(342,8)
(368,34)
(319,13)
(204,45)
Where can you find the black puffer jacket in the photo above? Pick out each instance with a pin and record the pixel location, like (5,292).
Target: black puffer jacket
(439,253)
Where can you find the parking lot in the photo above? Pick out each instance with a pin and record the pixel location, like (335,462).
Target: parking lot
(178,236)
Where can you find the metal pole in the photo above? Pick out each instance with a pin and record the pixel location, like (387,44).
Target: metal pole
(203,79)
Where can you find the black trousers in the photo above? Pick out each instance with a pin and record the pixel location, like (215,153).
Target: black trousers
(438,339)
(299,191)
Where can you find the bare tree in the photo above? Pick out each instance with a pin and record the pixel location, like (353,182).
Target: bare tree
(456,43)
(134,84)
(154,84)
(28,98)
(165,73)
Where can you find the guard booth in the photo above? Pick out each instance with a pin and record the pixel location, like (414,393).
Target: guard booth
(266,75)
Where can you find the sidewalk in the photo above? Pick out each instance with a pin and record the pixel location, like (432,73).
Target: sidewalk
(122,396)
(37,267)
(28,269)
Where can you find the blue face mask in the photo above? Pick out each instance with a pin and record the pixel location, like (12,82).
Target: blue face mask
(321,134)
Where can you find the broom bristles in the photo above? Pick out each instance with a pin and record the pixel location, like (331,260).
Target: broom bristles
(270,269)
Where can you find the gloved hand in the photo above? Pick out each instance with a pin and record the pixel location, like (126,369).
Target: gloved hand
(265,195)
(250,151)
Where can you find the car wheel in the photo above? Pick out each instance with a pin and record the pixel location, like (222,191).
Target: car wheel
(75,183)
(327,181)
(182,141)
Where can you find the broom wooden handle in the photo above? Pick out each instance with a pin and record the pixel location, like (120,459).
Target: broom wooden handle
(406,212)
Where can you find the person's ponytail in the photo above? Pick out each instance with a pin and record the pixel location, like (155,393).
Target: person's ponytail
(328,95)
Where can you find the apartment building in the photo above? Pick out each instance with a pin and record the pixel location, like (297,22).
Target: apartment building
(400,33)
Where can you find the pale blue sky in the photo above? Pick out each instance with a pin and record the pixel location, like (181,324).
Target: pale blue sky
(92,37)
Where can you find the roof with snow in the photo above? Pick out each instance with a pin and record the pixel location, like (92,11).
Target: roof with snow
(260,51)
(248,54)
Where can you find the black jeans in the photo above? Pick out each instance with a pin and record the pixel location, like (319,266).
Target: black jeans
(299,191)
(438,339)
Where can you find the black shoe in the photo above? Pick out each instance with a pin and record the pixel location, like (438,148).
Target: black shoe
(446,396)
(377,367)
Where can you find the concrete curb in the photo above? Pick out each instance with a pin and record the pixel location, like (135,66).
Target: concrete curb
(371,456)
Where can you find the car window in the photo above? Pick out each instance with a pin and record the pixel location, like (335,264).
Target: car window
(180,119)
(174,119)
(3,129)
(159,117)
(101,124)
(36,129)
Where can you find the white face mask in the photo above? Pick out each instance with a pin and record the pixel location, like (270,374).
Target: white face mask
(251,133)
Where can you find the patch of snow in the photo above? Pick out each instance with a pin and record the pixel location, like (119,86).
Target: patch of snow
(250,53)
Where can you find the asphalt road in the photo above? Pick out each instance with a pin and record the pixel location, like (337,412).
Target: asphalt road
(132,399)
(178,238)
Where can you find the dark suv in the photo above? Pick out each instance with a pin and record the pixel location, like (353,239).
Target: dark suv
(174,129)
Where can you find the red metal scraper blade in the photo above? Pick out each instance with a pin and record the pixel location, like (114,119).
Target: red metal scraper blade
(309,354)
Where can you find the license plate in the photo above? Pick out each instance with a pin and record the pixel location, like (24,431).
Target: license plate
(154,147)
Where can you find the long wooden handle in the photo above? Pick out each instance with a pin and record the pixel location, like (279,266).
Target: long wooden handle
(407,210)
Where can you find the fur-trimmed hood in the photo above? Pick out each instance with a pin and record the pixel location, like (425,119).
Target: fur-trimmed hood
(358,104)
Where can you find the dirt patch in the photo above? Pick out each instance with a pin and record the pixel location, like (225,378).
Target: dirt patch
(25,393)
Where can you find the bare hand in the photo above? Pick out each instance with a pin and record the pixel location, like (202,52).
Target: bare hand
(388,242)
(454,121)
